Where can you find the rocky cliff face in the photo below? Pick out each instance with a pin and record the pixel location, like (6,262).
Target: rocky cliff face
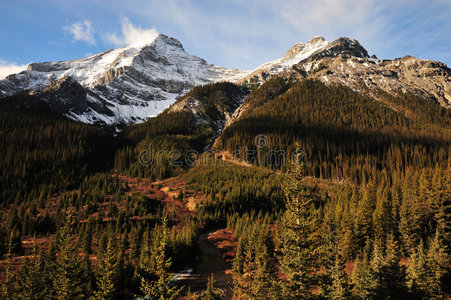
(66,94)
(427,79)
(346,62)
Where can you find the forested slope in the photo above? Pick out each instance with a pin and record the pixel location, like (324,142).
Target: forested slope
(343,196)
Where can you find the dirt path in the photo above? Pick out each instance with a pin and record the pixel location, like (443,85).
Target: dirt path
(211,262)
(228,157)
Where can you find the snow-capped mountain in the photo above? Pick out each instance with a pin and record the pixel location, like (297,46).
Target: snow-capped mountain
(130,84)
(124,85)
(346,62)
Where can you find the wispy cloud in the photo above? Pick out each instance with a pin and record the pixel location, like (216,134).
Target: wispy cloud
(247,33)
(81,31)
(244,34)
(130,34)
(7,68)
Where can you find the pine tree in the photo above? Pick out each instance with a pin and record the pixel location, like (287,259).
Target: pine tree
(240,266)
(383,221)
(145,255)
(253,274)
(428,269)
(334,282)
(390,276)
(238,262)
(244,267)
(445,209)
(159,286)
(363,218)
(86,239)
(69,281)
(87,274)
(418,272)
(134,245)
(440,265)
(33,278)
(210,293)
(408,224)
(298,239)
(340,285)
(6,284)
(107,273)
(363,279)
(263,283)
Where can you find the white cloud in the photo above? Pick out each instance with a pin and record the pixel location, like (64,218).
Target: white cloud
(82,31)
(7,68)
(131,34)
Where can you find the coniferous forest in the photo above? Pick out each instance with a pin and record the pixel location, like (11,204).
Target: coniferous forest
(323,193)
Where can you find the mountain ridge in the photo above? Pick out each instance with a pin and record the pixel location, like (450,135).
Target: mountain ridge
(131,84)
(125,85)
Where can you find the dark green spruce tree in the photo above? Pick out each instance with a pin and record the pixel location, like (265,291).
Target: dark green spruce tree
(108,272)
(69,276)
(390,276)
(299,240)
(33,278)
(156,282)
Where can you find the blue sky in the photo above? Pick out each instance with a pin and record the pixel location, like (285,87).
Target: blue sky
(232,33)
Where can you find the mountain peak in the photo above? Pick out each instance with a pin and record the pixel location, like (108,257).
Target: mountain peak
(149,39)
(163,39)
(301,49)
(316,39)
(342,46)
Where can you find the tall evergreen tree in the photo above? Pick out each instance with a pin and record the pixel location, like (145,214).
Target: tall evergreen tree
(108,271)
(390,276)
(440,265)
(33,278)
(429,269)
(159,286)
(363,219)
(8,274)
(340,289)
(264,282)
(69,280)
(334,282)
(383,221)
(299,236)
(363,279)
